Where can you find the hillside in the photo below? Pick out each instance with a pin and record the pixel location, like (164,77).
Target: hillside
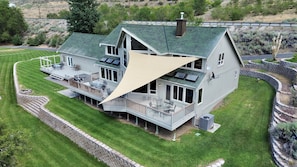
(259,37)
(40,8)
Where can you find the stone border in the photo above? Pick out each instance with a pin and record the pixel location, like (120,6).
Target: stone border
(288,64)
(94,147)
(274,68)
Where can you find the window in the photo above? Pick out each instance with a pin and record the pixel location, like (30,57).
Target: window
(102,73)
(69,61)
(174,92)
(168,87)
(189,95)
(180,93)
(221,59)
(109,74)
(153,87)
(189,65)
(142,89)
(125,58)
(137,45)
(111,50)
(198,64)
(148,88)
(199,96)
(125,43)
(115,76)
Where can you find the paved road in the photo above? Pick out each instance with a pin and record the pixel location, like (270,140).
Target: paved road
(30,47)
(267,56)
(244,57)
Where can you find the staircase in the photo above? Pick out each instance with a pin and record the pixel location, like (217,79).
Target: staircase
(57,77)
(32,104)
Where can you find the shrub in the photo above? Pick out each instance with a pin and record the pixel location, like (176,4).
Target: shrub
(38,40)
(286,133)
(55,41)
(17,40)
(5,37)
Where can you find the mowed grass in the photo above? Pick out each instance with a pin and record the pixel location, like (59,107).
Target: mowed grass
(46,147)
(242,139)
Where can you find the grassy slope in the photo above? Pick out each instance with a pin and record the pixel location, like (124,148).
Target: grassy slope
(48,148)
(242,139)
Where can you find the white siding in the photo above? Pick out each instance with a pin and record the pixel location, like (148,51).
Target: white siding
(226,76)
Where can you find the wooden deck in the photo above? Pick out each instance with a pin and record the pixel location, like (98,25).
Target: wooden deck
(147,107)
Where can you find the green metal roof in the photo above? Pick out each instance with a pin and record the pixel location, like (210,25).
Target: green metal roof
(197,41)
(82,44)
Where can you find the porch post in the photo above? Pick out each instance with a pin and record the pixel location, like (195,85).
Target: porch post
(136,121)
(128,117)
(157,130)
(145,125)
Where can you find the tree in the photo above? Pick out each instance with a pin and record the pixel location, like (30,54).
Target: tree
(276,43)
(199,6)
(12,22)
(12,143)
(83,16)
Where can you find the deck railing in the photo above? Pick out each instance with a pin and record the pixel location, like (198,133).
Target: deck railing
(85,88)
(149,113)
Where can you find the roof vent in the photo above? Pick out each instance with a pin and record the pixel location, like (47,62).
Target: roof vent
(180,25)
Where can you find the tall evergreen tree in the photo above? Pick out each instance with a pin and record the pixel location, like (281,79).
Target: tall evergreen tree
(12,22)
(83,15)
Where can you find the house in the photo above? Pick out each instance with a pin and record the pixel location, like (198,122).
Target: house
(166,75)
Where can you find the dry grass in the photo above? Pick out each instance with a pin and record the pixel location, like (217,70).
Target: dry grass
(32,11)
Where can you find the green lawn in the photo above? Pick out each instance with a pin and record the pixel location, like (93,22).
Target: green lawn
(242,139)
(47,147)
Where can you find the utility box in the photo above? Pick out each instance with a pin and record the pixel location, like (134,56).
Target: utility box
(206,122)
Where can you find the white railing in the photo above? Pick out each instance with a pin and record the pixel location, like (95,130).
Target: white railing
(149,113)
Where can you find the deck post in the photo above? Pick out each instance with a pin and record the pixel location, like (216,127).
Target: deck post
(157,130)
(145,125)
(136,121)
(174,135)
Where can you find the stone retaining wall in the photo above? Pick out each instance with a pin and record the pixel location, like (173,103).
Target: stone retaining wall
(287,64)
(288,72)
(94,147)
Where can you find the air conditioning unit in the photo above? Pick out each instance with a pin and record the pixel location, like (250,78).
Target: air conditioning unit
(206,122)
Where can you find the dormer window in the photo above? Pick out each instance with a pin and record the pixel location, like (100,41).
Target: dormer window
(221,59)
(111,50)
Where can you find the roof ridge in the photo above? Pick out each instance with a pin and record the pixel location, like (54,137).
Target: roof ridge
(166,39)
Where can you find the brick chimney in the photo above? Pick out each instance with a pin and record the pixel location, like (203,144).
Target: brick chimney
(180,25)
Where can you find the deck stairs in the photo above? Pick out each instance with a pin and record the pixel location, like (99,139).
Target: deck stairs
(57,77)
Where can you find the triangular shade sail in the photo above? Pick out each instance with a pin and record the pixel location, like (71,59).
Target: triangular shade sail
(143,69)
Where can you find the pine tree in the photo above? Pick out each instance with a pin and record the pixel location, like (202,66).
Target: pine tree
(83,15)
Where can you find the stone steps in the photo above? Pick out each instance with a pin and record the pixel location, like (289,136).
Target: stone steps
(33,104)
